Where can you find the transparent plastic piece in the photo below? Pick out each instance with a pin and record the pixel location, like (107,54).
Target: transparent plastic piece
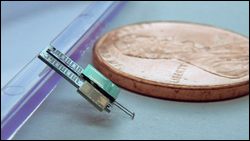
(29,88)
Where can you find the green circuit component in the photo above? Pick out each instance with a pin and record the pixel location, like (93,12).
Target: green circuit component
(103,84)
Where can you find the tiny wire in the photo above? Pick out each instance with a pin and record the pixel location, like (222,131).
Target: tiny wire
(130,113)
(122,106)
(124,110)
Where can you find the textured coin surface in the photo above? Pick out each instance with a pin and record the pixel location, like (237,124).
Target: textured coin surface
(175,60)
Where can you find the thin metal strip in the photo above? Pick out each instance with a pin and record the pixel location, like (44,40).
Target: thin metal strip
(66,61)
(61,69)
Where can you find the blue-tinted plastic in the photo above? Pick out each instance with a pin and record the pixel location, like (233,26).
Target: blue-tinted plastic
(30,87)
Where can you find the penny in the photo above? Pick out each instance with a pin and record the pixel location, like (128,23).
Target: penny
(175,60)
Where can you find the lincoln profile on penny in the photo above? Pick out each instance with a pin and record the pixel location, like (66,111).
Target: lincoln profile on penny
(176,60)
(228,60)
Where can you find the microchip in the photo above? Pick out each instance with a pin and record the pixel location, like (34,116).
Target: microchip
(103,84)
(93,96)
(90,83)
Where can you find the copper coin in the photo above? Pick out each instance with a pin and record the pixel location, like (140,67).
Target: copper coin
(175,60)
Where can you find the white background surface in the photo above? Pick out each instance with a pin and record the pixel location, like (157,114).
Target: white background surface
(27,27)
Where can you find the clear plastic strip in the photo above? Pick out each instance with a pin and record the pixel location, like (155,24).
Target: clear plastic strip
(30,87)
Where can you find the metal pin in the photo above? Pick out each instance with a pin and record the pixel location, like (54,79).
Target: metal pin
(125,110)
